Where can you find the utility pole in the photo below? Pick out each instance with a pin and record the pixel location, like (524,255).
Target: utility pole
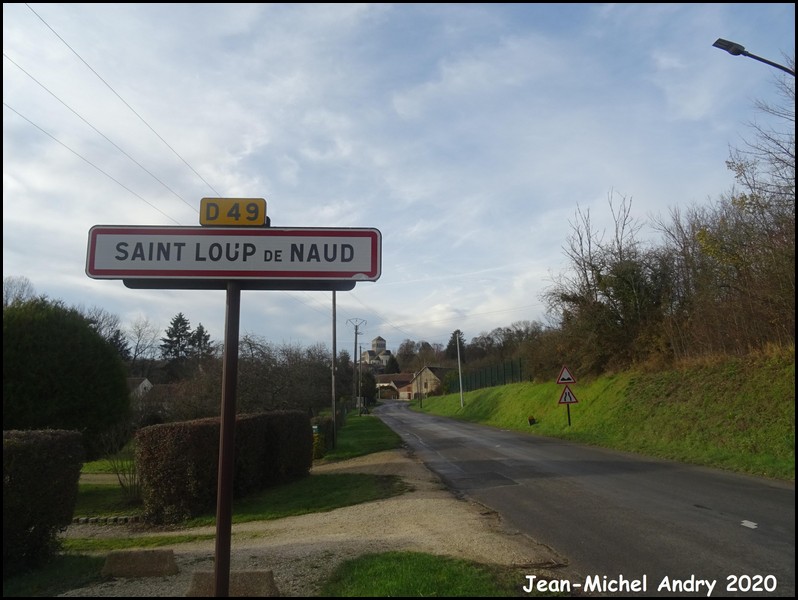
(356,323)
(360,383)
(418,387)
(459,368)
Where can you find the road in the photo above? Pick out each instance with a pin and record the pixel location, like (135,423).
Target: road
(623,521)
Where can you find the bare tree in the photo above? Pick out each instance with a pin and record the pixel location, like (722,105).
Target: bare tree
(765,166)
(732,263)
(103,322)
(17,288)
(609,302)
(143,336)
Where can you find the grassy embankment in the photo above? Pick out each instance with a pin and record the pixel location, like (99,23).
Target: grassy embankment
(407,574)
(735,414)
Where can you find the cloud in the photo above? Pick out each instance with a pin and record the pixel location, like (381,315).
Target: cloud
(468,135)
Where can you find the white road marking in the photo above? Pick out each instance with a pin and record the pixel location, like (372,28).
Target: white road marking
(749,524)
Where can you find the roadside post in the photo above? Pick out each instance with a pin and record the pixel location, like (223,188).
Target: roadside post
(567,397)
(233,249)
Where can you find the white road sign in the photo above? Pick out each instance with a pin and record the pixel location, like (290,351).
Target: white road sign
(203,253)
(565,376)
(567,397)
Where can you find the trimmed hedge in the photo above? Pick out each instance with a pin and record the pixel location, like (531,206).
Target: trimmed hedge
(178,463)
(41,471)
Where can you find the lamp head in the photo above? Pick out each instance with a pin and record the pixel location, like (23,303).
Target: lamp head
(731,47)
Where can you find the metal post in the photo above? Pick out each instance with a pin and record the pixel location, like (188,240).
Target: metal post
(360,381)
(332,367)
(420,391)
(355,361)
(224,495)
(460,371)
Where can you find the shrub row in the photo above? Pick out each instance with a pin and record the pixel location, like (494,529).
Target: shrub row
(41,470)
(178,463)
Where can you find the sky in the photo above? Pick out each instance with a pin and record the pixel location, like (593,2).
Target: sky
(468,134)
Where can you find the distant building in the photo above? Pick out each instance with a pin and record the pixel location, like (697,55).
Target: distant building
(428,381)
(138,386)
(377,358)
(395,386)
(145,405)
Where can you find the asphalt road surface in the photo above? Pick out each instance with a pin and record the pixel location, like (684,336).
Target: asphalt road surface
(628,525)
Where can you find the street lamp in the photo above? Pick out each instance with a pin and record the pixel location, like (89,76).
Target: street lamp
(736,50)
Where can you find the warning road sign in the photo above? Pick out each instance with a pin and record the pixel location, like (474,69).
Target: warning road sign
(565,376)
(567,397)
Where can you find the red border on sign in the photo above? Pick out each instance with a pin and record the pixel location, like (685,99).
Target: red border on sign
(567,391)
(562,373)
(94,232)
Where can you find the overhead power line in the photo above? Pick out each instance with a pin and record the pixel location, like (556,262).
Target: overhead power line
(100,133)
(83,158)
(108,85)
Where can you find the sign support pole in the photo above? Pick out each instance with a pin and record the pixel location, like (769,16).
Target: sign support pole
(224,503)
(335,419)
(460,370)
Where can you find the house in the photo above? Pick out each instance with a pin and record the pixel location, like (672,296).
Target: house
(395,385)
(138,386)
(428,381)
(149,402)
(406,391)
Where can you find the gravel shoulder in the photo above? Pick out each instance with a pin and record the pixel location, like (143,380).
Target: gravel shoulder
(303,551)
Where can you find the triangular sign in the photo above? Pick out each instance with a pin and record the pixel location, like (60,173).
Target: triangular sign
(565,376)
(567,397)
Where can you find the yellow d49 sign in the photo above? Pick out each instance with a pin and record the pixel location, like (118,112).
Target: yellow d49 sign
(233,211)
